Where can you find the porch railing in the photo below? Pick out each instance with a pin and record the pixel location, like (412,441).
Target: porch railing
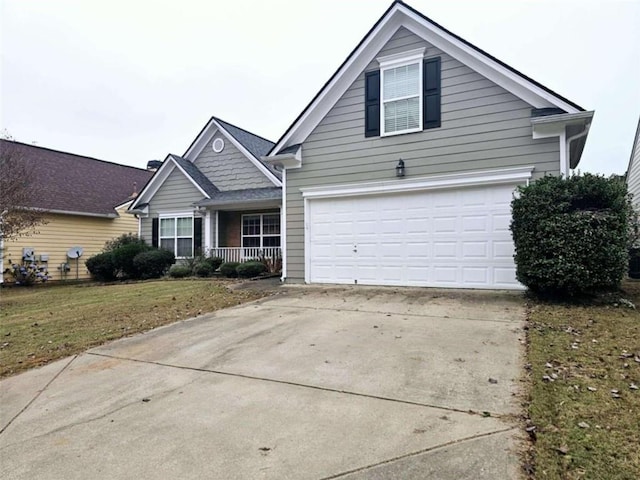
(241,254)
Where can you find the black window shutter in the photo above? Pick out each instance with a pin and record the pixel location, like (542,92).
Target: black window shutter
(431,93)
(154,232)
(197,236)
(372,104)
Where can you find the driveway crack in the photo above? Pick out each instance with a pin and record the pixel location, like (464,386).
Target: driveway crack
(309,386)
(2,430)
(418,452)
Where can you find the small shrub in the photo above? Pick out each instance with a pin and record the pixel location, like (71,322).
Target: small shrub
(153,263)
(123,259)
(228,269)
(28,273)
(251,269)
(571,235)
(179,271)
(215,262)
(102,267)
(203,269)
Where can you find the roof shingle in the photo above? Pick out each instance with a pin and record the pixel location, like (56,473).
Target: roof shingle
(73,183)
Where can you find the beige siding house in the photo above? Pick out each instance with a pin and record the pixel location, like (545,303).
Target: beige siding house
(84,201)
(401,170)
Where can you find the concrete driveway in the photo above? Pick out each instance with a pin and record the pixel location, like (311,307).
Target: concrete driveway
(313,383)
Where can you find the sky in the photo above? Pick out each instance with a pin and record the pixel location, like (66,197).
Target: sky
(131,81)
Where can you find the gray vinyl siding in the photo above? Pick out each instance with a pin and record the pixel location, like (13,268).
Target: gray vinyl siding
(483,127)
(230,169)
(633,175)
(176,194)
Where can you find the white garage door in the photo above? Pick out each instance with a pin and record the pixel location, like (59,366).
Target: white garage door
(440,238)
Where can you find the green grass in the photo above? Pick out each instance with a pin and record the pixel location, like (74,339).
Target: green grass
(47,322)
(601,336)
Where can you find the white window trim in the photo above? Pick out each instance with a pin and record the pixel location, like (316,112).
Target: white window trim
(262,235)
(400,60)
(175,216)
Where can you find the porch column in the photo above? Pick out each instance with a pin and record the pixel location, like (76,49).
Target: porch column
(207,232)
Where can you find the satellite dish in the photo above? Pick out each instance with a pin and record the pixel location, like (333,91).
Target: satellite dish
(75,252)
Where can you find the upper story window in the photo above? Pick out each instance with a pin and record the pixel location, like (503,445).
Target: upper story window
(403,96)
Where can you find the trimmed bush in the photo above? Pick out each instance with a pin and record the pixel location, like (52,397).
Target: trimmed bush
(215,262)
(571,235)
(203,269)
(179,271)
(102,267)
(251,269)
(122,240)
(123,259)
(228,269)
(153,263)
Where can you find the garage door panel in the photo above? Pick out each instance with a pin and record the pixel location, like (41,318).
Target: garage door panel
(443,238)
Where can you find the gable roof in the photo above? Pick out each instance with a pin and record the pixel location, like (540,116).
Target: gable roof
(251,145)
(399,14)
(196,176)
(68,183)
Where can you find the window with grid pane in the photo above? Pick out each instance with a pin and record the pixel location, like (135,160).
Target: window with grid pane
(261,230)
(402,98)
(176,235)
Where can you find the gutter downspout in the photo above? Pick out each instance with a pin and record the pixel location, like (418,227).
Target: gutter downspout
(572,138)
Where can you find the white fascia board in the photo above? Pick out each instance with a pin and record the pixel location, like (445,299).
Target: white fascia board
(433,182)
(331,93)
(154,184)
(399,16)
(195,184)
(83,214)
(259,165)
(123,204)
(555,125)
(201,141)
(507,79)
(287,160)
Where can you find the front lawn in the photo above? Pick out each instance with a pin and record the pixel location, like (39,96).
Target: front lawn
(48,322)
(585,403)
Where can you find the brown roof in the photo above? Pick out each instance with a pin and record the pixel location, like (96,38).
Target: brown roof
(72,183)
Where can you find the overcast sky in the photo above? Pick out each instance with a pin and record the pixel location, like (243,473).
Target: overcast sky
(130,81)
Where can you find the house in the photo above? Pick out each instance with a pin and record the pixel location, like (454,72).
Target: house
(402,168)
(633,172)
(400,171)
(84,202)
(219,198)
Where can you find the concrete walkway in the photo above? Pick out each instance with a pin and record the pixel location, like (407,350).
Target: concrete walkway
(314,383)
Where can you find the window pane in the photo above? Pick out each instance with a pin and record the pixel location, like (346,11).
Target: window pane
(185,228)
(402,115)
(401,81)
(271,224)
(167,227)
(167,244)
(184,248)
(251,225)
(251,242)
(271,241)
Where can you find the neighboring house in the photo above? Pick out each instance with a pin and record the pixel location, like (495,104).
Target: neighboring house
(84,202)
(633,172)
(402,168)
(218,199)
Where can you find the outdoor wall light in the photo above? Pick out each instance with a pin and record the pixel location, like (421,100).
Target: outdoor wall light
(400,168)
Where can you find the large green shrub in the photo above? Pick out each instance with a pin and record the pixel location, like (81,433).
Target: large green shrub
(251,269)
(101,267)
(228,269)
(571,235)
(123,259)
(122,240)
(153,263)
(215,262)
